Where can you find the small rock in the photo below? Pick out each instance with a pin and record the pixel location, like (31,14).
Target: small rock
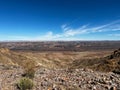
(113,88)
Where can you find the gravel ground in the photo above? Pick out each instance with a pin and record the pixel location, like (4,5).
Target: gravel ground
(9,76)
(77,79)
(61,79)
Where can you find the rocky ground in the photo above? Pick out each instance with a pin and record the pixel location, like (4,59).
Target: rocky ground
(77,79)
(60,79)
(9,76)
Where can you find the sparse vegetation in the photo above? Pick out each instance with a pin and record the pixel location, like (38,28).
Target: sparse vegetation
(29,67)
(29,73)
(25,84)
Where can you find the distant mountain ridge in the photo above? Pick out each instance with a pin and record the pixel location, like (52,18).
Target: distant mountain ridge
(61,45)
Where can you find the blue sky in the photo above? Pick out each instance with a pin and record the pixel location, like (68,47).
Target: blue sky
(59,20)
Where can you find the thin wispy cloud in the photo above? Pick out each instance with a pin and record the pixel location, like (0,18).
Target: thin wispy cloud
(69,33)
(113,26)
(115,35)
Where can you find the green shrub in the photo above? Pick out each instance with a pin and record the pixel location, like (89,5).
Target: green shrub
(25,83)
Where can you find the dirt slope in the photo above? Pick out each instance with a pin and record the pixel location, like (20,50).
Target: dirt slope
(107,64)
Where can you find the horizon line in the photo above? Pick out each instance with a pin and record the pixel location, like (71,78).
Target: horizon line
(51,40)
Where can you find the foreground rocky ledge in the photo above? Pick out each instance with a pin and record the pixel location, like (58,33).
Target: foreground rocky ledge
(61,79)
(77,79)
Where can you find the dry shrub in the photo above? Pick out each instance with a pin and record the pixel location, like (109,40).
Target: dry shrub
(29,67)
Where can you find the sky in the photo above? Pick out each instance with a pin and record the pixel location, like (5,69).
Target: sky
(52,20)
